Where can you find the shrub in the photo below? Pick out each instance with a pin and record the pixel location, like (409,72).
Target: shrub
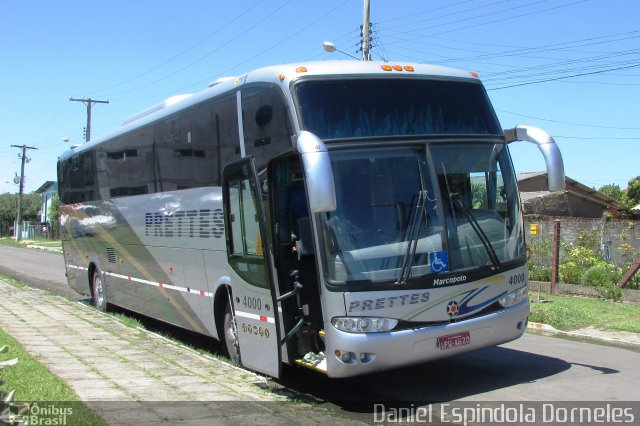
(598,276)
(589,239)
(570,272)
(539,273)
(610,291)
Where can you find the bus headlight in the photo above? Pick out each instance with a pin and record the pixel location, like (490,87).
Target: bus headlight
(364,324)
(514,297)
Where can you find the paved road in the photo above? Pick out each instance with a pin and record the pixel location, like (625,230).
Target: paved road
(533,368)
(43,269)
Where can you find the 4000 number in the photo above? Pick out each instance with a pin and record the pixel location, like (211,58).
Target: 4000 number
(252,302)
(517,279)
(255,330)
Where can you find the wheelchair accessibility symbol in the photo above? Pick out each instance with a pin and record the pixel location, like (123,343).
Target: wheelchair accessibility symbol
(438,261)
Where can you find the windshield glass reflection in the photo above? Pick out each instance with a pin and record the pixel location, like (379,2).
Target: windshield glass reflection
(378,200)
(394,222)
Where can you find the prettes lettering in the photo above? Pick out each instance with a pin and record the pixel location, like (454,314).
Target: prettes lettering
(388,302)
(203,223)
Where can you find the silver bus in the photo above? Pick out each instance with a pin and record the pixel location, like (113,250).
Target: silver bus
(348,217)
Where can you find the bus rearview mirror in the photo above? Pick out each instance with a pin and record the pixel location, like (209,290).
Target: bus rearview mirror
(318,172)
(548,148)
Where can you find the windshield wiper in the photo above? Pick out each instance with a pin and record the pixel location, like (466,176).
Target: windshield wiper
(414,228)
(412,237)
(493,257)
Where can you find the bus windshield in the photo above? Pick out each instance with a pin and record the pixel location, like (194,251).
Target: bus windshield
(394,221)
(357,108)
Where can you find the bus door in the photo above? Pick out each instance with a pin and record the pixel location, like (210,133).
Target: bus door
(254,294)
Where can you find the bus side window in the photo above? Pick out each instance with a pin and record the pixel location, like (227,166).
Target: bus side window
(246,252)
(267,128)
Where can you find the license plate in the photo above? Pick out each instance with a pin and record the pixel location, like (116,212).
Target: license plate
(454,340)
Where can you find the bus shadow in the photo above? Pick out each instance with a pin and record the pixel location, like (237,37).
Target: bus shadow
(448,379)
(180,335)
(443,380)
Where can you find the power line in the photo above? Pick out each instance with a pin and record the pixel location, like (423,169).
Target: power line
(568,122)
(598,138)
(194,45)
(201,58)
(565,77)
(466,27)
(302,29)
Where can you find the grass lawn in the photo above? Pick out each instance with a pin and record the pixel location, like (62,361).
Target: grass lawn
(570,313)
(33,382)
(11,242)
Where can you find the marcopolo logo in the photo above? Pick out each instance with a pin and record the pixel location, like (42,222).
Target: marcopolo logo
(451,280)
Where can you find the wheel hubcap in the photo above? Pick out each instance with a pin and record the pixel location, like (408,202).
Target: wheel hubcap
(99,291)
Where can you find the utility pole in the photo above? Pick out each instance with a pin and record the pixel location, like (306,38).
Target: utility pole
(18,229)
(366,39)
(88,102)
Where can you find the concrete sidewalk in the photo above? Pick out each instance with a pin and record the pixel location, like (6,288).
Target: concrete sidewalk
(129,375)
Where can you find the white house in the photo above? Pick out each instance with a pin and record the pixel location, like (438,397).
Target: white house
(46,191)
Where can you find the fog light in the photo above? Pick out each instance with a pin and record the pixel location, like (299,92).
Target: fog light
(345,357)
(366,358)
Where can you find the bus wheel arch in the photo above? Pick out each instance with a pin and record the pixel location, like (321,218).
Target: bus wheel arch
(226,323)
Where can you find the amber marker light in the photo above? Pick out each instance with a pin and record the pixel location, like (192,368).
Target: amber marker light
(301,69)
(281,77)
(409,68)
(473,74)
(387,67)
(397,67)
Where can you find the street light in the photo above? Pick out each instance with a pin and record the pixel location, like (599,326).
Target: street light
(330,47)
(67,140)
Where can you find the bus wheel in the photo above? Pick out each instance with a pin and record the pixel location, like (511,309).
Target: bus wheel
(231,342)
(100,298)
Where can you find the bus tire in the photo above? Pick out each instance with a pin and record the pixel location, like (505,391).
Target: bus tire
(99,291)
(231,341)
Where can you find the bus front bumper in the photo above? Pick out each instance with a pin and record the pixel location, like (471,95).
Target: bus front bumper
(351,354)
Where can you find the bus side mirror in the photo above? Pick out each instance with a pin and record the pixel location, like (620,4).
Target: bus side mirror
(318,172)
(549,149)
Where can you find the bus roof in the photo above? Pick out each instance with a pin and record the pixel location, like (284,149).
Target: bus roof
(282,74)
(291,72)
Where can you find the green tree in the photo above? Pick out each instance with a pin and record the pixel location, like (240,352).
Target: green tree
(9,208)
(612,190)
(633,191)
(54,209)
(31,206)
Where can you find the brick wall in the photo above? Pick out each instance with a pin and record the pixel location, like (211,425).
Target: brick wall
(616,236)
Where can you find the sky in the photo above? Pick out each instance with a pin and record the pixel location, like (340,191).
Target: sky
(571,67)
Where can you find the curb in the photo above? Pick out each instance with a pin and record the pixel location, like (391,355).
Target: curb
(615,338)
(538,326)
(42,248)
